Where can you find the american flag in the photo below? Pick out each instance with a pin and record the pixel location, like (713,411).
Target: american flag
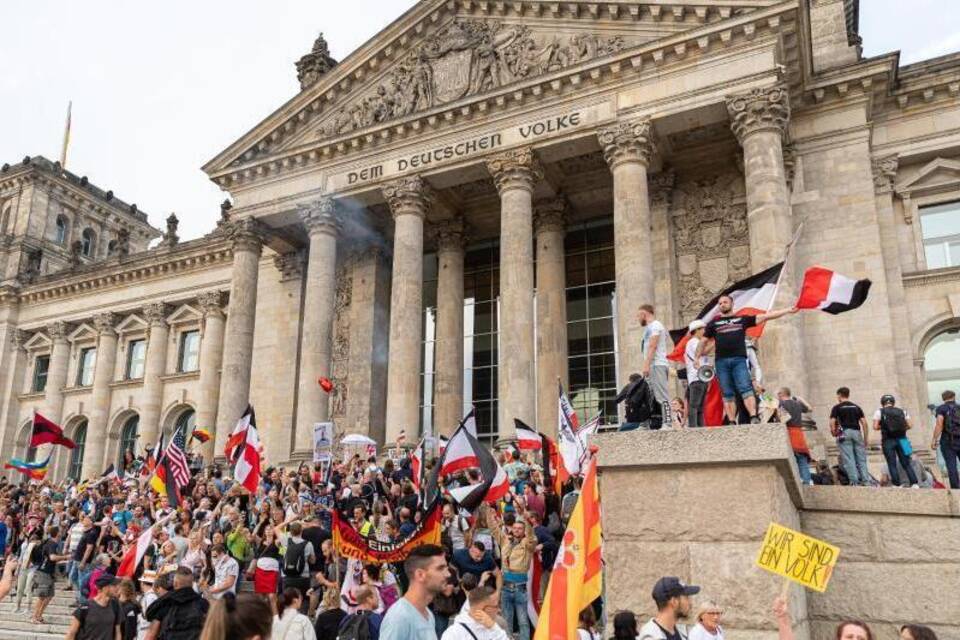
(177,459)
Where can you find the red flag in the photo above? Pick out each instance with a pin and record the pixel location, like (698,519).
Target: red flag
(46,431)
(831,292)
(247,469)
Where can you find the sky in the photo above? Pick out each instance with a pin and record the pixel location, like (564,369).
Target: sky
(160,88)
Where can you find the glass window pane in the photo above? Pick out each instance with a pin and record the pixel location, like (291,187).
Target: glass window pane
(483,388)
(85,367)
(576,271)
(484,317)
(954,254)
(135,359)
(579,372)
(601,335)
(600,300)
(485,350)
(40,369)
(189,351)
(600,266)
(576,304)
(941,220)
(936,255)
(577,342)
(76,454)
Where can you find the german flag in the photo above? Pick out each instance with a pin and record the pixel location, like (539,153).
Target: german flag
(349,543)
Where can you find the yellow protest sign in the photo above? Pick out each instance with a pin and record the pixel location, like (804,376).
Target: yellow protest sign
(798,557)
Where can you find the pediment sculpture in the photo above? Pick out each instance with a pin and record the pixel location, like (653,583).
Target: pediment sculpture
(464,58)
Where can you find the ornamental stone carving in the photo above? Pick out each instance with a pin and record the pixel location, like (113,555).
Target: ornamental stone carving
(290,265)
(765,109)
(320,216)
(411,195)
(210,303)
(628,141)
(450,235)
(515,169)
(19,339)
(340,356)
(170,237)
(58,331)
(246,235)
(550,214)
(885,173)
(105,324)
(661,188)
(464,58)
(315,64)
(155,313)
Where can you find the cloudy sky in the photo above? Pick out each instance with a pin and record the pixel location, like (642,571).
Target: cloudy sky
(159,88)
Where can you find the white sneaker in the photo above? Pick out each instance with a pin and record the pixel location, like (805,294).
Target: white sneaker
(914,486)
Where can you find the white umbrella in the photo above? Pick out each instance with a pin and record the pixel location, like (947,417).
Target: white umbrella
(357,439)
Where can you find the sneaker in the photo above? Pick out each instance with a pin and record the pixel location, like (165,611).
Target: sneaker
(755,420)
(914,486)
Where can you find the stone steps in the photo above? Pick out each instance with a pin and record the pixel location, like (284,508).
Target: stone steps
(16,625)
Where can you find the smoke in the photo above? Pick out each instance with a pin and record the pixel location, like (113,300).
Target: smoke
(361,228)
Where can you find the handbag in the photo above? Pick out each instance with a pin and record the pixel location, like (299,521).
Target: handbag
(905,446)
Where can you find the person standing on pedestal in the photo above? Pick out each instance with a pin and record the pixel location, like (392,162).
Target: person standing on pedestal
(655,368)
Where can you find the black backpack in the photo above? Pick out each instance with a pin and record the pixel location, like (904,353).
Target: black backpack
(951,424)
(893,422)
(355,627)
(640,403)
(295,559)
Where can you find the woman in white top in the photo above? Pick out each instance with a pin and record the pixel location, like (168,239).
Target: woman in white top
(291,624)
(708,622)
(195,557)
(587,625)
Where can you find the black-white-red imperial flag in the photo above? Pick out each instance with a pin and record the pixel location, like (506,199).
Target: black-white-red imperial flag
(831,292)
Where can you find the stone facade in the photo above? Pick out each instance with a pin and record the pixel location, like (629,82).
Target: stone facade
(700,137)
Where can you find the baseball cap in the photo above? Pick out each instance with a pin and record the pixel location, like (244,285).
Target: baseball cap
(670,587)
(106,580)
(696,324)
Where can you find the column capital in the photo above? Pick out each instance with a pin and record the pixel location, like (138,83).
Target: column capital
(550,214)
(155,313)
(19,339)
(515,169)
(765,109)
(450,235)
(885,173)
(58,331)
(246,235)
(105,323)
(628,141)
(320,216)
(409,195)
(211,303)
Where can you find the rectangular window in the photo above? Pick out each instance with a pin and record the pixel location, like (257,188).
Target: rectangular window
(136,355)
(189,357)
(941,235)
(41,366)
(88,360)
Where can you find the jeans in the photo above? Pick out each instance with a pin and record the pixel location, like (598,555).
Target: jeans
(891,452)
(950,455)
(630,426)
(854,455)
(734,377)
(85,574)
(658,381)
(696,394)
(803,465)
(513,601)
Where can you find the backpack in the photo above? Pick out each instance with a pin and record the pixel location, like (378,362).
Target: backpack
(893,422)
(951,425)
(295,559)
(184,622)
(355,627)
(640,403)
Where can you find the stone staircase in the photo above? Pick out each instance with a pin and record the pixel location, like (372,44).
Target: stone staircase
(17,626)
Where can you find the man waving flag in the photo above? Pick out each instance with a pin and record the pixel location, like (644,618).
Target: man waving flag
(577,578)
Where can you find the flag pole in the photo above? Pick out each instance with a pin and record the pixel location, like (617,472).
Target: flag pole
(66,137)
(787,254)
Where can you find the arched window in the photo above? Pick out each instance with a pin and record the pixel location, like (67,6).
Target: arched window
(88,243)
(186,421)
(61,230)
(941,363)
(76,455)
(128,438)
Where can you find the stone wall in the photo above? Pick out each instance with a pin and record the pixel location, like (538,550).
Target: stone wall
(696,503)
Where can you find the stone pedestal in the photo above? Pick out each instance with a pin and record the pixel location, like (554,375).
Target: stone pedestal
(514,174)
(211,359)
(154,366)
(758,119)
(448,345)
(627,147)
(696,504)
(93,454)
(409,199)
(319,300)
(551,310)
(241,319)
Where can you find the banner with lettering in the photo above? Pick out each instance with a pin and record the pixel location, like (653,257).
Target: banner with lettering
(797,557)
(349,543)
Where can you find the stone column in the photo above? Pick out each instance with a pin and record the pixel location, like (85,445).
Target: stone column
(95,448)
(759,118)
(448,380)
(211,358)
(313,403)
(515,174)
(627,148)
(409,198)
(241,318)
(14,358)
(57,372)
(154,366)
(551,309)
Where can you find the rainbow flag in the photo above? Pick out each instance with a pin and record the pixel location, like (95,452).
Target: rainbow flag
(33,470)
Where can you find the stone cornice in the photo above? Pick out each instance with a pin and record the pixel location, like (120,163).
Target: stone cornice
(185,258)
(931,276)
(629,63)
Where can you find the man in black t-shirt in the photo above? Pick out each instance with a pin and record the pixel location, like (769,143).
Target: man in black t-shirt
(947,434)
(45,558)
(83,555)
(728,332)
(849,425)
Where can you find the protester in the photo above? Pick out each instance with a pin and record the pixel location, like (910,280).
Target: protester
(638,402)
(655,368)
(916,632)
(587,625)
(101,617)
(708,622)
(791,414)
(45,559)
(180,613)
(849,426)
(129,609)
(625,626)
(410,618)
(947,433)
(328,621)
(478,619)
(517,544)
(672,598)
(291,624)
(846,630)
(475,559)
(226,571)
(893,423)
(696,388)
(365,621)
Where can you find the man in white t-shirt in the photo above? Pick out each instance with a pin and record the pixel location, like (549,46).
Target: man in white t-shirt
(225,573)
(655,367)
(696,388)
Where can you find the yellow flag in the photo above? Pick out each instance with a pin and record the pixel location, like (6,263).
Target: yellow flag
(577,578)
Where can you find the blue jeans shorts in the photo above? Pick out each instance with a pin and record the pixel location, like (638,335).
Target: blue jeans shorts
(734,377)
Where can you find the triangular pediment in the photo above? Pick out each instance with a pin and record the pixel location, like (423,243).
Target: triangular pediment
(132,324)
(37,342)
(184,313)
(937,174)
(83,332)
(444,51)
